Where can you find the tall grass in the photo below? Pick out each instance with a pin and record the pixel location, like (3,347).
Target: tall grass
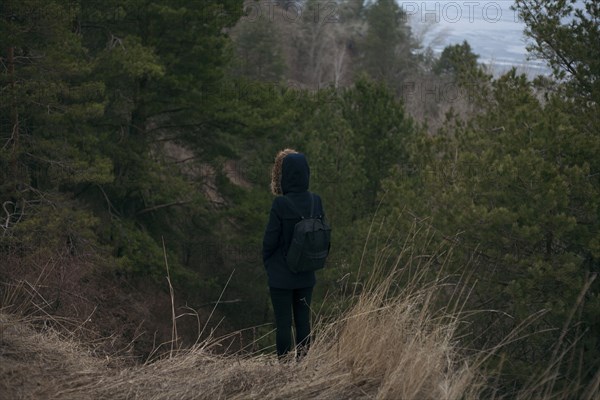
(396,339)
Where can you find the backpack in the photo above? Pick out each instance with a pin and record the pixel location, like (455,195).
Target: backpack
(311,241)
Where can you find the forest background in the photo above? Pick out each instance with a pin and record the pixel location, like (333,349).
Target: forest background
(137,134)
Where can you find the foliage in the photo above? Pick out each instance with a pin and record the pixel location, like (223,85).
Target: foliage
(382,131)
(129,123)
(514,185)
(457,59)
(259,50)
(387,47)
(566,34)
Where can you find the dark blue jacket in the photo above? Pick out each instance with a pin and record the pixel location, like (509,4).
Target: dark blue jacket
(295,177)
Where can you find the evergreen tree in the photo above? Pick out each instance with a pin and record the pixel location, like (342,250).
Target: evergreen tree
(515,185)
(457,59)
(381,130)
(386,51)
(259,54)
(566,33)
(49,104)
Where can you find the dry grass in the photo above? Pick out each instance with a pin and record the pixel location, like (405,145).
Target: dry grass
(36,365)
(394,341)
(391,343)
(382,348)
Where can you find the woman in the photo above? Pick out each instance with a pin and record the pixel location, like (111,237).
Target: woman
(291,293)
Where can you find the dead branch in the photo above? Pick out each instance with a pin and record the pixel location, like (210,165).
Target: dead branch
(158,207)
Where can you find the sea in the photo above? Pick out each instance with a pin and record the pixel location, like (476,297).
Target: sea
(494,31)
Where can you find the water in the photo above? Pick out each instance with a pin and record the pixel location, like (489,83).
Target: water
(493,30)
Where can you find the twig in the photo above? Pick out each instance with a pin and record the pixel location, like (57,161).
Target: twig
(158,207)
(174,336)
(8,214)
(110,205)
(222,302)
(215,307)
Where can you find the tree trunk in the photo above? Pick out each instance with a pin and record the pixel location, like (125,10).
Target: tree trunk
(14,113)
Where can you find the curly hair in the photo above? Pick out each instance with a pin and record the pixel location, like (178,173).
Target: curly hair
(276,171)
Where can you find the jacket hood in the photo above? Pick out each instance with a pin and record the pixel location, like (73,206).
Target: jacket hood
(290,173)
(295,173)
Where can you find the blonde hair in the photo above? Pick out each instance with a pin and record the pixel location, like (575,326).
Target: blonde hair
(276,171)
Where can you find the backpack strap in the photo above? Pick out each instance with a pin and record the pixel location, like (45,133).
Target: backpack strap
(312,205)
(293,206)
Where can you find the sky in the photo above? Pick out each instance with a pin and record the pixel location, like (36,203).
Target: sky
(493,30)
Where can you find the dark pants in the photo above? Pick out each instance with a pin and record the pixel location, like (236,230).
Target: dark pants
(285,302)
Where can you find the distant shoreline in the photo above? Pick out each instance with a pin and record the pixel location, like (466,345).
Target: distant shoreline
(491,28)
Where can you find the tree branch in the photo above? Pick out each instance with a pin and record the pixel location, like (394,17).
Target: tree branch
(158,207)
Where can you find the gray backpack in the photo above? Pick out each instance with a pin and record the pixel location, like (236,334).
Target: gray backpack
(310,242)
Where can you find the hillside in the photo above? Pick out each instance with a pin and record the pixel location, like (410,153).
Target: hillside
(137,141)
(386,346)
(401,335)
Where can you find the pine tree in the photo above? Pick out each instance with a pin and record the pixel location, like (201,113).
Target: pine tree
(386,51)
(49,102)
(566,34)
(457,59)
(381,129)
(515,185)
(259,53)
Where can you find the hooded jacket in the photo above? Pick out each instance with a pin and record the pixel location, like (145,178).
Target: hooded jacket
(291,176)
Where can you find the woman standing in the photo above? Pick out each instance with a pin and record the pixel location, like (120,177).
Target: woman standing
(291,293)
